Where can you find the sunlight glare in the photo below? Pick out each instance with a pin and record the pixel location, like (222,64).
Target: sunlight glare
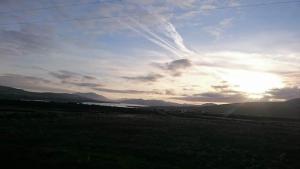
(253,83)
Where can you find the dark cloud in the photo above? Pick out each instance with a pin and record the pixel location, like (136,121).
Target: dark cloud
(220,87)
(65,74)
(85,84)
(29,83)
(127,91)
(174,67)
(223,93)
(178,64)
(170,92)
(225,88)
(89,77)
(214,97)
(283,93)
(148,78)
(76,79)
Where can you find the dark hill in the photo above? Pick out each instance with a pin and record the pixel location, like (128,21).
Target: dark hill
(149,102)
(289,109)
(10,93)
(94,96)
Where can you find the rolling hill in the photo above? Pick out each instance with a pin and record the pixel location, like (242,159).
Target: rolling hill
(10,93)
(287,109)
(149,102)
(19,94)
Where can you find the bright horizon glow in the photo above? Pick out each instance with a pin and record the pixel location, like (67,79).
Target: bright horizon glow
(254,83)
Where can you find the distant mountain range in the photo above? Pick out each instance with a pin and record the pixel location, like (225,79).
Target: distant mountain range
(288,109)
(94,96)
(10,93)
(149,102)
(19,94)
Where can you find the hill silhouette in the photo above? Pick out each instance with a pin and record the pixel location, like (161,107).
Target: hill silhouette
(288,109)
(19,94)
(10,93)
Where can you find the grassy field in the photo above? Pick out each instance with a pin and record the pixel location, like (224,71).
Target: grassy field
(48,135)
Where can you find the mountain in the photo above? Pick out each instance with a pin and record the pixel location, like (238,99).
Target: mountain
(10,93)
(94,96)
(294,101)
(19,94)
(289,109)
(149,102)
(208,104)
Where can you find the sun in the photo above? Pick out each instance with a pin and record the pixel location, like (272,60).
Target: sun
(253,83)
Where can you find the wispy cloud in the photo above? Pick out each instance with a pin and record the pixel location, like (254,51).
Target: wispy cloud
(152,77)
(125,91)
(76,79)
(218,29)
(65,74)
(29,83)
(26,41)
(165,35)
(223,93)
(214,97)
(208,5)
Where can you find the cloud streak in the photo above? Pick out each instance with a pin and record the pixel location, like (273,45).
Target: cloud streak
(223,93)
(76,79)
(286,93)
(214,97)
(164,34)
(152,77)
(29,83)
(107,90)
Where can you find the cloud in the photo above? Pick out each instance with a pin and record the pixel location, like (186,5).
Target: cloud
(126,91)
(170,92)
(223,94)
(182,4)
(225,88)
(29,82)
(150,19)
(208,5)
(153,23)
(85,84)
(220,87)
(25,42)
(286,93)
(89,77)
(216,97)
(178,64)
(233,3)
(65,74)
(152,77)
(164,35)
(291,78)
(219,29)
(174,67)
(76,79)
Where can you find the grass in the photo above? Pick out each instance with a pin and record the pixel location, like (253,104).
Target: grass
(73,136)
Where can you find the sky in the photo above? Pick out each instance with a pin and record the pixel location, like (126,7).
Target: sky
(192,51)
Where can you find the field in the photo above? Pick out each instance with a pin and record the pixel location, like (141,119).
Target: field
(66,135)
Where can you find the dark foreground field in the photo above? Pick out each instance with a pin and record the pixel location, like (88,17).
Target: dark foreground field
(48,135)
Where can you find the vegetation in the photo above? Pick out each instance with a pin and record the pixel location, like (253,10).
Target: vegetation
(69,135)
